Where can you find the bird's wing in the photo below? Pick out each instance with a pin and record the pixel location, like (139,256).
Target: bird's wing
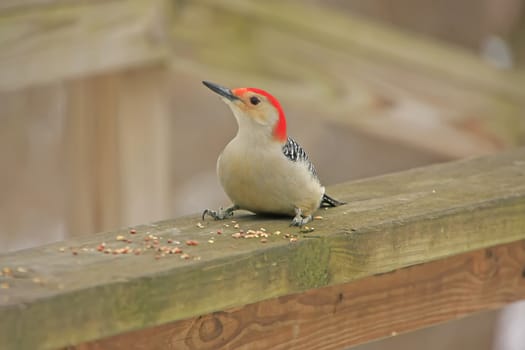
(293,151)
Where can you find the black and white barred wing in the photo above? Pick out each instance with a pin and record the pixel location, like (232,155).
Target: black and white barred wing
(293,151)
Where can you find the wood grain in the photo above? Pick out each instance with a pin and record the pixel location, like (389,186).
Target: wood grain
(341,316)
(390,222)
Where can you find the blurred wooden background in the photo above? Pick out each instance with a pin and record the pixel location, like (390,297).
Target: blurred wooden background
(105,122)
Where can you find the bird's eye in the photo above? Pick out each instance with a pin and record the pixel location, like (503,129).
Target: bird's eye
(254,100)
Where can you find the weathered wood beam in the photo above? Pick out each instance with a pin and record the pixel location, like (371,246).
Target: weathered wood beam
(344,315)
(70,292)
(48,41)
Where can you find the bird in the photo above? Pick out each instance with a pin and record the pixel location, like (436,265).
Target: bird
(262,169)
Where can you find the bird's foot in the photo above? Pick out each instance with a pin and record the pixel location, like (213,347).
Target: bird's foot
(220,214)
(299,219)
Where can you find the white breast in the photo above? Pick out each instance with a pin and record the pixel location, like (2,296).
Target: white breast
(258,177)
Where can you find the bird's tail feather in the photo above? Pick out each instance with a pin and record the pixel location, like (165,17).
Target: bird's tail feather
(328,201)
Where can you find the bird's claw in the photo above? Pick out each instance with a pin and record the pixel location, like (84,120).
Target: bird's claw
(300,220)
(220,214)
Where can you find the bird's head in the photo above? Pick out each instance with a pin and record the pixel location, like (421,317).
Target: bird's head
(254,109)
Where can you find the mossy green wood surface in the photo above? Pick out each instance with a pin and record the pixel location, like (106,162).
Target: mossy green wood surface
(55,298)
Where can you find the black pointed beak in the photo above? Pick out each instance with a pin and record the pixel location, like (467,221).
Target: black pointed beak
(221,90)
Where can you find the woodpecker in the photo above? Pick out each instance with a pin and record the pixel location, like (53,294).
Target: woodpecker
(262,169)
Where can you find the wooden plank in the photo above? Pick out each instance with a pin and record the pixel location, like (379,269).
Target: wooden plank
(118,135)
(69,292)
(144,132)
(365,75)
(341,316)
(32,157)
(44,42)
(92,154)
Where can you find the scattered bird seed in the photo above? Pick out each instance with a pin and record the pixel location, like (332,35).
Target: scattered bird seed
(236,226)
(211,241)
(21,269)
(192,242)
(199,225)
(120,238)
(132,231)
(318,217)
(264,240)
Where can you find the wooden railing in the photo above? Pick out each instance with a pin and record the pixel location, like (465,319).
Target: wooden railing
(409,250)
